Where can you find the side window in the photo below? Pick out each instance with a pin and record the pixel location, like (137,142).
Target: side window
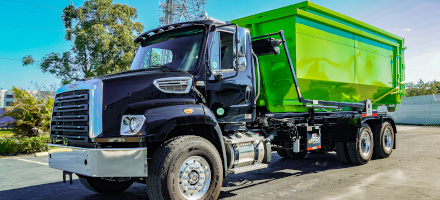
(222,51)
(10,96)
(227,50)
(8,103)
(214,61)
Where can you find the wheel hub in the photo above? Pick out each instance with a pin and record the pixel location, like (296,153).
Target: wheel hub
(388,139)
(365,143)
(194,177)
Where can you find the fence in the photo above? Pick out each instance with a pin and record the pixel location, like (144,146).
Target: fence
(418,110)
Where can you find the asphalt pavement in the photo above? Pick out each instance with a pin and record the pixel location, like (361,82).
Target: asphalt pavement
(412,172)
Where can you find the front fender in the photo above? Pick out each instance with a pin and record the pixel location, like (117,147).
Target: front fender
(160,121)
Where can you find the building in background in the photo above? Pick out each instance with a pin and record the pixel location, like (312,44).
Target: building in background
(6,98)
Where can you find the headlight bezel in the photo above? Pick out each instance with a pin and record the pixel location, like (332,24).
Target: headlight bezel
(126,124)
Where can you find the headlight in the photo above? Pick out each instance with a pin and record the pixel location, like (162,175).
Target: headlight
(131,124)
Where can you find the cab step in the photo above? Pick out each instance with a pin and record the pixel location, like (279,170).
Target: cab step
(239,170)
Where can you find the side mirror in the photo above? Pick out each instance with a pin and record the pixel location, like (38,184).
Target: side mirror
(240,36)
(242,32)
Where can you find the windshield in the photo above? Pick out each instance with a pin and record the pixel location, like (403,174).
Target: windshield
(177,51)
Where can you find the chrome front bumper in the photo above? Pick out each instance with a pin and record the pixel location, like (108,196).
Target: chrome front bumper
(104,162)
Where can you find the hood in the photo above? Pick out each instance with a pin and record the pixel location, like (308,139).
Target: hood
(123,89)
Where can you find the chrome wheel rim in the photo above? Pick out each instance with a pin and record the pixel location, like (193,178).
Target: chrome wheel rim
(194,178)
(388,139)
(365,144)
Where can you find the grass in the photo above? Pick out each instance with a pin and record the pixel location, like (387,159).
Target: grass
(6,133)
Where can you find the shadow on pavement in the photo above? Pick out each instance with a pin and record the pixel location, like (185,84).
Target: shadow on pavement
(60,190)
(280,168)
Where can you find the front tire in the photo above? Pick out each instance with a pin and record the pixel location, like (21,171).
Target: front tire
(185,167)
(293,155)
(282,153)
(104,186)
(383,140)
(361,151)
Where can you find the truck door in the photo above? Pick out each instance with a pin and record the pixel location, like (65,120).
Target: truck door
(230,90)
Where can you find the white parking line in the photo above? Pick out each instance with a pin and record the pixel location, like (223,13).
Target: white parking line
(31,161)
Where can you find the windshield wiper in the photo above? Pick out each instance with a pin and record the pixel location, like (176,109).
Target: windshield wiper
(165,68)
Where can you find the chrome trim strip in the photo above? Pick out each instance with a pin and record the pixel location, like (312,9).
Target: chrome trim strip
(100,162)
(95,87)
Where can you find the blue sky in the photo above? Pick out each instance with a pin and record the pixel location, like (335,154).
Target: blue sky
(34,27)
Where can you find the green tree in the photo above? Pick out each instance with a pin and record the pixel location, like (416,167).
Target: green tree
(102,35)
(32,115)
(423,88)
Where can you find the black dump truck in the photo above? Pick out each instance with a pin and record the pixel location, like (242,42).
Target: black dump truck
(204,99)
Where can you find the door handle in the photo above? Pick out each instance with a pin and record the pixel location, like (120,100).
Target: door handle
(248,94)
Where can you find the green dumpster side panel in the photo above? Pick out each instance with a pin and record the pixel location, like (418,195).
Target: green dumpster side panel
(335,57)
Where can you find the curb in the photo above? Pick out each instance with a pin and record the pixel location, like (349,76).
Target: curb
(39,154)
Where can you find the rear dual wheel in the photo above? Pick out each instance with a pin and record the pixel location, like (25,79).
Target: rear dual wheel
(359,152)
(383,140)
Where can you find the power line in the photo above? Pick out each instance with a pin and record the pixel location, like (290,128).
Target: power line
(24,2)
(10,59)
(31,27)
(29,10)
(36,11)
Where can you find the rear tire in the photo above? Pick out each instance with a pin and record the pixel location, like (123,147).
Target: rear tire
(342,152)
(293,155)
(383,140)
(361,151)
(282,153)
(104,186)
(185,167)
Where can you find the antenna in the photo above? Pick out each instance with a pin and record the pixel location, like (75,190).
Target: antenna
(174,11)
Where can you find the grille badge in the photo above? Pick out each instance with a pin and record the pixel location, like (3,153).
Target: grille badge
(73,86)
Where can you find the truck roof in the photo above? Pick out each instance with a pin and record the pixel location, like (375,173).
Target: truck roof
(168,27)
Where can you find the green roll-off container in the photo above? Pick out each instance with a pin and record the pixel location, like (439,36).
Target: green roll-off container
(335,57)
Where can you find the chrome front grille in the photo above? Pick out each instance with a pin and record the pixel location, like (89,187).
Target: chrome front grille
(70,118)
(174,84)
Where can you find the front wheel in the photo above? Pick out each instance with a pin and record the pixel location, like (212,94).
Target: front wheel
(293,155)
(105,186)
(282,153)
(185,167)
